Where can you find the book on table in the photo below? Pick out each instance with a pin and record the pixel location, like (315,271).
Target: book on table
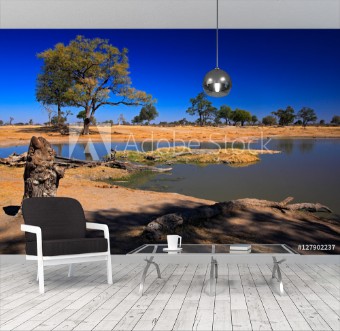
(240,247)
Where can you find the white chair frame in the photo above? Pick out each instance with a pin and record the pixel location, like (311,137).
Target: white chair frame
(68,259)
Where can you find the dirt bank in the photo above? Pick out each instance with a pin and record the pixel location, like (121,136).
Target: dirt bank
(127,211)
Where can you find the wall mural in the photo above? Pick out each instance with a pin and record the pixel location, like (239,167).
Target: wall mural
(129,132)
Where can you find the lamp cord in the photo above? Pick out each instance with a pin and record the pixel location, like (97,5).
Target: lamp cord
(216,33)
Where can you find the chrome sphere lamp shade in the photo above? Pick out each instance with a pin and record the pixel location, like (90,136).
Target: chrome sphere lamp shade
(217,82)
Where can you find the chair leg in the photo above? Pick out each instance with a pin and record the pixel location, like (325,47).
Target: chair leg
(109,269)
(41,276)
(70,270)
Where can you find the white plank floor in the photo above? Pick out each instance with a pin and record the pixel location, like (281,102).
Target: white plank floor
(245,298)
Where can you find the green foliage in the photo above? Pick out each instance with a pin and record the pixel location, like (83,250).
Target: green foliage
(82,116)
(202,107)
(183,121)
(285,116)
(269,120)
(136,120)
(224,113)
(322,122)
(54,80)
(58,121)
(30,122)
(306,115)
(336,120)
(241,116)
(254,120)
(148,113)
(1,122)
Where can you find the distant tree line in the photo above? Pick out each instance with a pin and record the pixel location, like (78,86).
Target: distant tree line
(209,115)
(11,119)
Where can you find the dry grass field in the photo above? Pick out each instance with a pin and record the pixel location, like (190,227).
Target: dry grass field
(20,135)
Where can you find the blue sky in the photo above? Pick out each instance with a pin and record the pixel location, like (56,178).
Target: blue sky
(270,69)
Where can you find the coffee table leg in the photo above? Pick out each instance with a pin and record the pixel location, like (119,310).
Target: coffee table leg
(216,269)
(276,269)
(213,273)
(148,263)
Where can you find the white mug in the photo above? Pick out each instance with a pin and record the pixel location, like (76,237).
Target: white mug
(173,241)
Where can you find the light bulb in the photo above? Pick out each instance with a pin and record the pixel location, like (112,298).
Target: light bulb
(217,83)
(217,87)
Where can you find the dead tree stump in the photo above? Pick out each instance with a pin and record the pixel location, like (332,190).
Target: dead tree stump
(41,175)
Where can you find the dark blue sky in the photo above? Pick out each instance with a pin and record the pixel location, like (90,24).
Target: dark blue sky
(270,69)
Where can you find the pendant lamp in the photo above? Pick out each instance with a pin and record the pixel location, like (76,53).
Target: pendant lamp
(217,82)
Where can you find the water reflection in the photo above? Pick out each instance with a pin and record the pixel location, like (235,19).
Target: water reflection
(306,146)
(285,145)
(58,148)
(87,151)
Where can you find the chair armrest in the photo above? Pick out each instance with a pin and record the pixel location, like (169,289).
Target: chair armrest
(99,226)
(37,230)
(31,228)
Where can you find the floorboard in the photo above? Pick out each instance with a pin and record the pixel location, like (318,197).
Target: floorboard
(244,297)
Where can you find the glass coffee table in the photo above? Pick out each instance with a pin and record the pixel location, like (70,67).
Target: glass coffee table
(212,252)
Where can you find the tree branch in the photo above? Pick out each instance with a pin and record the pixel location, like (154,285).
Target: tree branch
(134,103)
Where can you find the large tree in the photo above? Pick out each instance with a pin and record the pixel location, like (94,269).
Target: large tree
(306,115)
(54,80)
(269,120)
(100,76)
(224,113)
(285,116)
(241,116)
(148,113)
(202,107)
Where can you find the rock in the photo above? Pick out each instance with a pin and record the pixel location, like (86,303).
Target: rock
(41,175)
(165,224)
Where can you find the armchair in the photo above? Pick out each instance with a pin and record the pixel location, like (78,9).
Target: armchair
(55,230)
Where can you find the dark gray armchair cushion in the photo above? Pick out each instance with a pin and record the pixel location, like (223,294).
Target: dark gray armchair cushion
(68,246)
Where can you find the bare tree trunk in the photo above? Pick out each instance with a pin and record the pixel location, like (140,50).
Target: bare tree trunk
(86,130)
(87,121)
(41,175)
(59,114)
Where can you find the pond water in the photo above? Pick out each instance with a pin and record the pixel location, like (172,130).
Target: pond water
(307,169)
(97,150)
